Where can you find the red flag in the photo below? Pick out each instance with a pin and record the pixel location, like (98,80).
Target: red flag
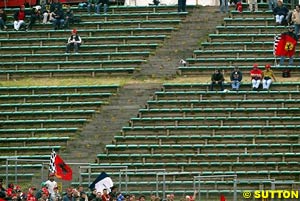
(286,46)
(222,198)
(63,171)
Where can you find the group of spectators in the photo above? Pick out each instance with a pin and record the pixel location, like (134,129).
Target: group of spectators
(257,77)
(49,191)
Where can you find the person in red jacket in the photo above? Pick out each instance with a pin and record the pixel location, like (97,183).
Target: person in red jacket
(255,76)
(31,195)
(19,18)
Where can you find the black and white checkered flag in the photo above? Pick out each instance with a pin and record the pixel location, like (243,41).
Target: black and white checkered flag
(276,41)
(52,168)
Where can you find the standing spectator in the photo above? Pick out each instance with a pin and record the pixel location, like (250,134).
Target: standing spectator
(256,76)
(74,41)
(296,19)
(236,77)
(3,18)
(69,195)
(51,184)
(57,196)
(288,49)
(93,195)
(181,5)
(19,18)
(217,78)
(268,75)
(105,196)
(280,13)
(251,2)
(58,15)
(30,195)
(1,185)
(113,193)
(224,6)
(272,4)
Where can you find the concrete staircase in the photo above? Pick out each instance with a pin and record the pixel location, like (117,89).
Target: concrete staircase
(198,24)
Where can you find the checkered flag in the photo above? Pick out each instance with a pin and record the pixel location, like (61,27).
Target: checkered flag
(52,168)
(276,41)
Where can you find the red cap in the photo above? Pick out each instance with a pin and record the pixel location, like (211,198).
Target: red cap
(74,31)
(255,65)
(267,66)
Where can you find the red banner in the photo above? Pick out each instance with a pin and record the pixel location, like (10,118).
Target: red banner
(286,46)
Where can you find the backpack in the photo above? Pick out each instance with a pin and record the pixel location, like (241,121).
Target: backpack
(286,73)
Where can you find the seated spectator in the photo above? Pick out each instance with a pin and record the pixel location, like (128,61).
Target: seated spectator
(3,18)
(268,75)
(217,78)
(69,17)
(58,18)
(256,76)
(34,15)
(74,41)
(251,2)
(280,13)
(55,4)
(236,77)
(93,4)
(45,12)
(19,18)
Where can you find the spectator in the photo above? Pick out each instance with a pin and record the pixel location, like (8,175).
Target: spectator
(296,19)
(105,196)
(256,76)
(280,13)
(57,196)
(142,198)
(51,184)
(74,41)
(69,195)
(113,193)
(268,75)
(3,18)
(69,16)
(2,196)
(251,2)
(1,185)
(103,3)
(34,15)
(93,4)
(19,18)
(55,4)
(45,12)
(93,195)
(290,39)
(236,77)
(224,6)
(58,15)
(217,78)
(30,195)
(272,4)
(182,5)
(191,198)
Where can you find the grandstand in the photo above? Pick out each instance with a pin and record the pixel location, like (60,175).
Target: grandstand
(152,137)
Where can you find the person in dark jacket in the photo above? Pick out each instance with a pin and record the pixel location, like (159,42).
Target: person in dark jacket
(3,18)
(34,15)
(236,77)
(280,13)
(217,78)
(58,16)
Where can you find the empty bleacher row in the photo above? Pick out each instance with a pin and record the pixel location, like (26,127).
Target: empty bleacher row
(116,43)
(38,119)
